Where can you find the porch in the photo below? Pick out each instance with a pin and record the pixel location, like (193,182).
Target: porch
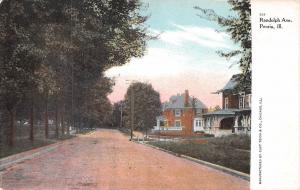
(229,121)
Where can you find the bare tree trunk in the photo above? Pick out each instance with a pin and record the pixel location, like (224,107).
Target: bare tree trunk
(31,117)
(1,134)
(12,127)
(62,120)
(62,124)
(68,128)
(68,125)
(56,120)
(46,116)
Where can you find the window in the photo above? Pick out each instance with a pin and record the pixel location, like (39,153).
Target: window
(248,97)
(177,113)
(242,101)
(198,123)
(177,123)
(226,103)
(162,123)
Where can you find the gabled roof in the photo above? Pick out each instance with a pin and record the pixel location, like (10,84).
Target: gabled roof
(231,84)
(177,101)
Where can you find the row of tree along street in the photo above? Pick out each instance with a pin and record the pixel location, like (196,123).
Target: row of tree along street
(53,55)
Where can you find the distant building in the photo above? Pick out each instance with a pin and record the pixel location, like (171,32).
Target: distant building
(235,115)
(182,115)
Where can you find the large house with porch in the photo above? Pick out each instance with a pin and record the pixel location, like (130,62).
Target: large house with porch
(182,116)
(235,115)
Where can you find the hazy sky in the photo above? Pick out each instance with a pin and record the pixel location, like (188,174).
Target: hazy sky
(184,56)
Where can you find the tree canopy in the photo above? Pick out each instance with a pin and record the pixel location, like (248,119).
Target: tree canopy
(239,28)
(147,106)
(59,50)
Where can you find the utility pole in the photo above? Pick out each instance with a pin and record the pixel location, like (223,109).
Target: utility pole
(132,112)
(131,107)
(121,120)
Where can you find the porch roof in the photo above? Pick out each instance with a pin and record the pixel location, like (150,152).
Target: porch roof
(228,112)
(244,110)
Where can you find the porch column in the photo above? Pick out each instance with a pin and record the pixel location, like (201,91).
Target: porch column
(207,124)
(244,123)
(236,121)
(158,123)
(202,123)
(236,124)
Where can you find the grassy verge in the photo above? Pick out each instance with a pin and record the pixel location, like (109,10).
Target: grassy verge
(234,141)
(222,151)
(85,131)
(23,145)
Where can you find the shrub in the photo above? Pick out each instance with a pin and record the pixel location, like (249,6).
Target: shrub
(220,150)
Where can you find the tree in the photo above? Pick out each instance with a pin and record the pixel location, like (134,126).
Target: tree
(239,28)
(147,106)
(117,115)
(96,110)
(18,57)
(59,50)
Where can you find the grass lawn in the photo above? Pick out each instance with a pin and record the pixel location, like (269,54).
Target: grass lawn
(23,145)
(224,151)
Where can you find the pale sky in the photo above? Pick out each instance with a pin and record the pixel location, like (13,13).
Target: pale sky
(184,56)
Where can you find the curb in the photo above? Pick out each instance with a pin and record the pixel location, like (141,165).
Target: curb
(215,166)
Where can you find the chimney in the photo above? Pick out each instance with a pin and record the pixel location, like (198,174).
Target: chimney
(186,98)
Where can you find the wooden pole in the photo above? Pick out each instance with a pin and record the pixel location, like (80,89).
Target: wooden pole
(132,112)
(121,115)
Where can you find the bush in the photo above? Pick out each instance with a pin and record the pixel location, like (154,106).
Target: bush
(218,151)
(209,135)
(235,141)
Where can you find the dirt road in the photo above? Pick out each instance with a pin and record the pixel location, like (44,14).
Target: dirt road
(106,160)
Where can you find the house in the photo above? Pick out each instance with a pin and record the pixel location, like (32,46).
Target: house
(235,115)
(182,115)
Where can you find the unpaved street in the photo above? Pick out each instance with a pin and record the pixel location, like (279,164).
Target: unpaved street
(106,160)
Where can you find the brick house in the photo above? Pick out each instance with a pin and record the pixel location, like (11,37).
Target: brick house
(235,115)
(182,115)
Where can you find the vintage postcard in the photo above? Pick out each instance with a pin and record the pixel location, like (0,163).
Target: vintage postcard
(149,94)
